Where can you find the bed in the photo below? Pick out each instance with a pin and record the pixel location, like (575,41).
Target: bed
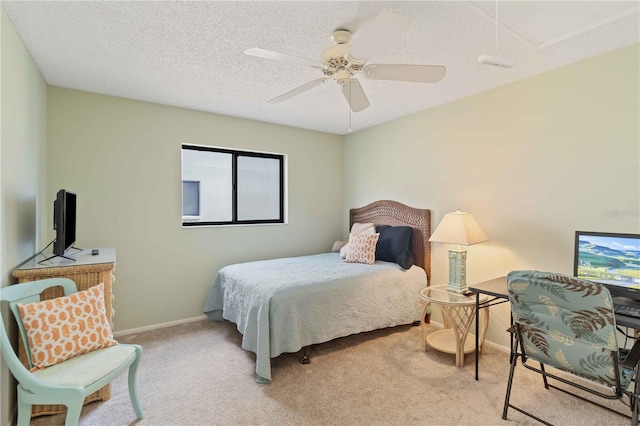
(285,305)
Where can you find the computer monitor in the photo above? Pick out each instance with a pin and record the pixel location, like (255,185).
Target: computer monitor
(611,259)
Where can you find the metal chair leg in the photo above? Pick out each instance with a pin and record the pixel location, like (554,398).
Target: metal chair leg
(633,401)
(544,376)
(514,359)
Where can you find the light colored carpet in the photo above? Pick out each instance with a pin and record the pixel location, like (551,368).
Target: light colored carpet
(197,374)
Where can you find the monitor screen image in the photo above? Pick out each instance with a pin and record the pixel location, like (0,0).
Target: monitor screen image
(610,259)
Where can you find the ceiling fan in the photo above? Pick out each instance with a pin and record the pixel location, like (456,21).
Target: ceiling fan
(344,61)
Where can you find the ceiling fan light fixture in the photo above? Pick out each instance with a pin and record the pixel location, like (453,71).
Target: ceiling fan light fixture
(334,56)
(343,77)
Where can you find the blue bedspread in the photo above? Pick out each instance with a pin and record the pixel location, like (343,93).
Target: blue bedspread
(282,305)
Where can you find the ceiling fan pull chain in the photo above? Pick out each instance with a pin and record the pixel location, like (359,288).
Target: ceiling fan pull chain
(349,131)
(496,27)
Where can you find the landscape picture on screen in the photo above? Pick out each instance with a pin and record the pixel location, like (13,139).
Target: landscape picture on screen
(609,260)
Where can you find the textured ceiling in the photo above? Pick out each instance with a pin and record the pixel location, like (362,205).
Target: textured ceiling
(190,54)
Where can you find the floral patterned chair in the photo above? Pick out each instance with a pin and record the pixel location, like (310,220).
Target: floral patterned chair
(569,324)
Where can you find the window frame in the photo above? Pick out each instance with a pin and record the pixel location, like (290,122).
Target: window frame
(235,153)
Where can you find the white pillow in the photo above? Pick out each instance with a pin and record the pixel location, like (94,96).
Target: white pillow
(338,245)
(357,228)
(363,228)
(343,251)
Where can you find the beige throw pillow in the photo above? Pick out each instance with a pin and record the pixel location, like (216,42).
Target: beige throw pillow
(362,248)
(358,228)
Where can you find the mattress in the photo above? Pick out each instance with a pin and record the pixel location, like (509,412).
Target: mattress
(283,305)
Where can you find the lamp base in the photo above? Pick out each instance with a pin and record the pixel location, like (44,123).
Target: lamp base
(458,289)
(457,269)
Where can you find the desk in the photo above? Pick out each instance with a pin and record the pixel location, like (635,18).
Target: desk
(458,313)
(494,292)
(623,320)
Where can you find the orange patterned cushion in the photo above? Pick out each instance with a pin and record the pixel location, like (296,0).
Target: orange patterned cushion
(61,328)
(362,248)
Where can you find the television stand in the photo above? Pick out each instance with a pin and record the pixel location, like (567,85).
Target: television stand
(57,255)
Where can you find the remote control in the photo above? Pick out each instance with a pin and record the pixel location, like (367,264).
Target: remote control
(95,252)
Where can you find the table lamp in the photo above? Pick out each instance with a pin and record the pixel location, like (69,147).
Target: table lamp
(461,229)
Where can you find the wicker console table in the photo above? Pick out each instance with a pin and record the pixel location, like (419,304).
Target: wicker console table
(86,271)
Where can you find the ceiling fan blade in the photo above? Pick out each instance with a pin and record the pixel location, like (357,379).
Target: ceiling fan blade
(268,54)
(355,95)
(298,90)
(401,72)
(386,27)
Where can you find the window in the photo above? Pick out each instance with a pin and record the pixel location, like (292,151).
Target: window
(222,186)
(190,199)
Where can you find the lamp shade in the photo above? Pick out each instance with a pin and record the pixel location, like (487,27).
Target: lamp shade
(458,228)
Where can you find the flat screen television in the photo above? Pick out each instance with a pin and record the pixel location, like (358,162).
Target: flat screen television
(64,221)
(610,259)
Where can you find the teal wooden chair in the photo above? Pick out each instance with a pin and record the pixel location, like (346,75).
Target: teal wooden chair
(569,324)
(69,382)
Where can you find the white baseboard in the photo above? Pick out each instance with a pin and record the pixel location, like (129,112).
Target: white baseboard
(158,326)
(497,347)
(489,343)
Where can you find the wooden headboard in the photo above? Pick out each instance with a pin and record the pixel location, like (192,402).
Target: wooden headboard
(386,212)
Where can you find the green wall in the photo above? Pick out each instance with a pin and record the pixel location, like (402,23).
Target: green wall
(533,161)
(122,159)
(23,138)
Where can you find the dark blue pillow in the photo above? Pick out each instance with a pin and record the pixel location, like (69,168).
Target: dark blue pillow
(394,245)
